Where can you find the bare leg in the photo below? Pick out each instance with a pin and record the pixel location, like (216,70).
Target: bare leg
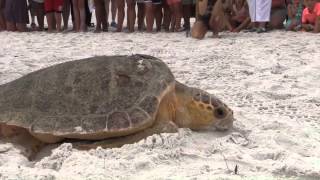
(141,16)
(50,19)
(158,15)
(66,13)
(199,30)
(2,19)
(120,5)
(98,5)
(178,15)
(113,10)
(82,12)
(173,17)
(149,16)
(21,27)
(2,23)
(11,26)
(106,21)
(187,15)
(166,17)
(33,14)
(58,20)
(76,15)
(131,13)
(40,16)
(317,25)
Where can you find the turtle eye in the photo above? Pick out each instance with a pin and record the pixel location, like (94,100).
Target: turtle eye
(220,113)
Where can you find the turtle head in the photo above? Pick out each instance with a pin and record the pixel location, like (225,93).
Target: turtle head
(206,111)
(203,110)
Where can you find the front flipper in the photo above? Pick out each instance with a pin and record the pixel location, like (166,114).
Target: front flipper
(21,137)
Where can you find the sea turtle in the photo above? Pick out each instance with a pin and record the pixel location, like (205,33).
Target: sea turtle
(112,100)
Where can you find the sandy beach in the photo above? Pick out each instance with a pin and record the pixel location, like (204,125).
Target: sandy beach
(271,81)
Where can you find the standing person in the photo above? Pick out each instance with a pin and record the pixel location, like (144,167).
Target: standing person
(16,15)
(157,6)
(166,16)
(120,8)
(141,14)
(149,15)
(67,10)
(101,15)
(32,13)
(79,15)
(187,6)
(132,15)
(37,9)
(89,13)
(176,15)
(53,10)
(2,19)
(260,11)
(113,13)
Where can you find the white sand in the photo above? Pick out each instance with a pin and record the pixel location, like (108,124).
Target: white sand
(271,81)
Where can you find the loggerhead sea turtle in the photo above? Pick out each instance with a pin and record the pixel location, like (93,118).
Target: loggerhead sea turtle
(112,100)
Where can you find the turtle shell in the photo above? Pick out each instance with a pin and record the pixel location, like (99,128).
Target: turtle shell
(98,94)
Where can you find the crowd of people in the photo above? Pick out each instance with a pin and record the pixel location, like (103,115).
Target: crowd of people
(215,15)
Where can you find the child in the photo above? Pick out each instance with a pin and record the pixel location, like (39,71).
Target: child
(79,15)
(239,16)
(53,10)
(37,9)
(311,16)
(16,15)
(2,19)
(294,9)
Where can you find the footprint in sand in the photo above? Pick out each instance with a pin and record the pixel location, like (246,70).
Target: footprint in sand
(297,145)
